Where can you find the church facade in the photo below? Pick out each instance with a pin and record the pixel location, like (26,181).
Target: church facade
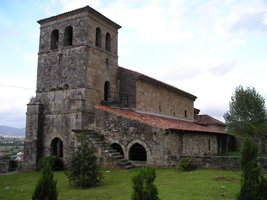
(80,87)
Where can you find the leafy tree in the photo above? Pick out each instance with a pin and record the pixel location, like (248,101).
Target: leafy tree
(253,183)
(84,170)
(247,114)
(46,186)
(143,186)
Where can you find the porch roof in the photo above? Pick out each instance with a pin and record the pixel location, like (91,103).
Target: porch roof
(166,123)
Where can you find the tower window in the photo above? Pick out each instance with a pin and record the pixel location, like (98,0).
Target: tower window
(108,42)
(68,36)
(185,113)
(98,37)
(54,39)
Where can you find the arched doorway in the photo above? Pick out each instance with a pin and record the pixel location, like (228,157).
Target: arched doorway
(137,152)
(106,91)
(57,147)
(117,147)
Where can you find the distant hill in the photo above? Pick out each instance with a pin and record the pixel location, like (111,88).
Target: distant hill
(11,131)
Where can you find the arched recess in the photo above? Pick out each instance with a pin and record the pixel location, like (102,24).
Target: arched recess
(98,37)
(54,39)
(137,152)
(117,147)
(108,42)
(68,34)
(56,147)
(106,91)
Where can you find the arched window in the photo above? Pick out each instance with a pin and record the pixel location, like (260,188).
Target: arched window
(54,39)
(137,152)
(117,147)
(106,91)
(57,147)
(68,36)
(98,37)
(108,42)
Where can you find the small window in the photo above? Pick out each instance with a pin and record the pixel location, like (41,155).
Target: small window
(185,114)
(68,36)
(209,144)
(108,42)
(54,39)
(98,37)
(106,91)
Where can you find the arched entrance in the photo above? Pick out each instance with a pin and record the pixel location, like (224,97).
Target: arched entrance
(57,147)
(117,147)
(137,152)
(106,91)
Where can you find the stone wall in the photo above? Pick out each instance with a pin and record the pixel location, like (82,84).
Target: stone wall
(157,99)
(222,162)
(163,148)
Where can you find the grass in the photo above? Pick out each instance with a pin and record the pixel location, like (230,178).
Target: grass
(206,184)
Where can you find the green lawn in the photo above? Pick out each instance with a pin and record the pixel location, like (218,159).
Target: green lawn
(200,184)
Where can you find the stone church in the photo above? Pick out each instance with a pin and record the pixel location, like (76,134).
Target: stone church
(80,87)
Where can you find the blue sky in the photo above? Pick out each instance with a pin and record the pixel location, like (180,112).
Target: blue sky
(206,48)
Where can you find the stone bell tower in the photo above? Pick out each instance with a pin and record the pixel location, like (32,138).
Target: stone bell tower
(77,69)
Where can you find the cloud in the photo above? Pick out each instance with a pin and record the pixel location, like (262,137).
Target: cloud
(222,69)
(250,22)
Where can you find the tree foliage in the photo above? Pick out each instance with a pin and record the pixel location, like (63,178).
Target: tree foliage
(143,186)
(253,183)
(247,114)
(84,170)
(46,186)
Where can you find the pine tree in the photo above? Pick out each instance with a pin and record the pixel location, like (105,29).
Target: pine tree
(84,170)
(143,186)
(253,184)
(46,186)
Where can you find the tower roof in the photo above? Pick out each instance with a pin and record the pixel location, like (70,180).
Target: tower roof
(78,11)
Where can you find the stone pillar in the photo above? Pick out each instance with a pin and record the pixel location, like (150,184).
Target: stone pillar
(34,129)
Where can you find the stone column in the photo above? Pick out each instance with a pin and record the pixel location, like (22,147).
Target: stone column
(34,129)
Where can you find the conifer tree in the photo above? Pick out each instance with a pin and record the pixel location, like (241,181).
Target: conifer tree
(84,170)
(46,186)
(143,185)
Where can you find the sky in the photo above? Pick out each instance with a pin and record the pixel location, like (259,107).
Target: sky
(206,48)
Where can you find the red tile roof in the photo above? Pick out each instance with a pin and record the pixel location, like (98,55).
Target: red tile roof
(158,121)
(207,120)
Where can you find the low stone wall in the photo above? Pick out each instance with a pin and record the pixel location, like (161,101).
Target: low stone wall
(223,162)
(4,165)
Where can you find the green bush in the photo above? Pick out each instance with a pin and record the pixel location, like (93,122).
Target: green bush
(84,170)
(186,164)
(46,186)
(143,186)
(253,184)
(55,162)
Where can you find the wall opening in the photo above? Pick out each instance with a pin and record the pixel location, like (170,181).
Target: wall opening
(54,39)
(137,152)
(57,147)
(106,91)
(68,36)
(98,37)
(117,147)
(108,42)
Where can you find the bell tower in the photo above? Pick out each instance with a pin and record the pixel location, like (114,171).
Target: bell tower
(77,69)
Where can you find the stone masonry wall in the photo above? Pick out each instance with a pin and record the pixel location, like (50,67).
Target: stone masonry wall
(163,148)
(155,99)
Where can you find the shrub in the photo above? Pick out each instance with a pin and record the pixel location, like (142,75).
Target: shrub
(253,184)
(55,162)
(46,186)
(143,186)
(84,170)
(186,164)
